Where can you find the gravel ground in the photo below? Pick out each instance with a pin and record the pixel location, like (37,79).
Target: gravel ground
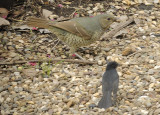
(67,88)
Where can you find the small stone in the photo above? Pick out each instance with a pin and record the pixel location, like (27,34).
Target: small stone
(156,67)
(18,89)
(52,17)
(151,61)
(50,112)
(70,103)
(145,112)
(9,34)
(93,105)
(145,100)
(12,54)
(151,85)
(88,8)
(30,72)
(14,83)
(5,40)
(156,1)
(90,12)
(16,73)
(20,68)
(157,111)
(1,99)
(101,110)
(81,106)
(123,18)
(100,62)
(95,8)
(30,102)
(21,41)
(90,4)
(151,72)
(28,81)
(9,43)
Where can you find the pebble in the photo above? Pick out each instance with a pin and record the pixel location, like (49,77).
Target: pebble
(144,112)
(16,73)
(95,8)
(123,18)
(92,106)
(145,100)
(21,41)
(157,111)
(44,108)
(13,54)
(90,12)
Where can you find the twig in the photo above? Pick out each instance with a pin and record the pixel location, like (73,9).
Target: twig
(49,60)
(141,51)
(71,16)
(6,70)
(120,26)
(134,53)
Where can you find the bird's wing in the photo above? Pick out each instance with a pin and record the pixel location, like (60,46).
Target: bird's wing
(74,28)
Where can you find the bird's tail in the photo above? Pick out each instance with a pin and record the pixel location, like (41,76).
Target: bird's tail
(105,101)
(38,22)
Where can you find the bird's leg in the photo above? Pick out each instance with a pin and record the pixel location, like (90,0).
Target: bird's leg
(73,51)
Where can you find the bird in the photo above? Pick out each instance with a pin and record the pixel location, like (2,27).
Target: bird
(110,82)
(76,32)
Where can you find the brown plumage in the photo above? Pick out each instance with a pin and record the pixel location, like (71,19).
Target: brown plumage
(76,32)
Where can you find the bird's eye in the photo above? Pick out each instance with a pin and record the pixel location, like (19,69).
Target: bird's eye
(109,18)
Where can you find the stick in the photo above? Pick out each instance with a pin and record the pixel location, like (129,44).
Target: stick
(49,60)
(120,26)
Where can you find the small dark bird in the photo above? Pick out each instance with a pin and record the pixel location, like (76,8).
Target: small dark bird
(76,32)
(110,83)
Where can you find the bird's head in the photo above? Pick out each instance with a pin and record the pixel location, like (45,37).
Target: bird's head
(106,20)
(112,65)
